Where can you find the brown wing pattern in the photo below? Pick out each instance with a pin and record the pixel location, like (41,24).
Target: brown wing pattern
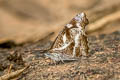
(84,45)
(58,42)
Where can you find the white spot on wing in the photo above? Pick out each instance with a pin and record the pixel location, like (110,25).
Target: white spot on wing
(78,25)
(77,40)
(64,38)
(63,47)
(69,25)
(82,14)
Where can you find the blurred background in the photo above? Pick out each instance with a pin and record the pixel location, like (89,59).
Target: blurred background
(23,21)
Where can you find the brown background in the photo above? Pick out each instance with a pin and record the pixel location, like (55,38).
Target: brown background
(32,20)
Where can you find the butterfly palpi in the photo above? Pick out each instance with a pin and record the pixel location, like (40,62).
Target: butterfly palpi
(71,42)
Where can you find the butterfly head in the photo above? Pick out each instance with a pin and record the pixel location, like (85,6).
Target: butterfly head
(79,20)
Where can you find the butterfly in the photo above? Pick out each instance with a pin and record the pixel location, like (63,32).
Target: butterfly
(71,42)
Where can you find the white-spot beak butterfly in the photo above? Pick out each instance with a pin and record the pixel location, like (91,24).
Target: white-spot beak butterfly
(71,42)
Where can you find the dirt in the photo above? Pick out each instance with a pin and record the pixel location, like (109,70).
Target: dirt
(102,64)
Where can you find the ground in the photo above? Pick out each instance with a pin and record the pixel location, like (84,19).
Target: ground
(102,64)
